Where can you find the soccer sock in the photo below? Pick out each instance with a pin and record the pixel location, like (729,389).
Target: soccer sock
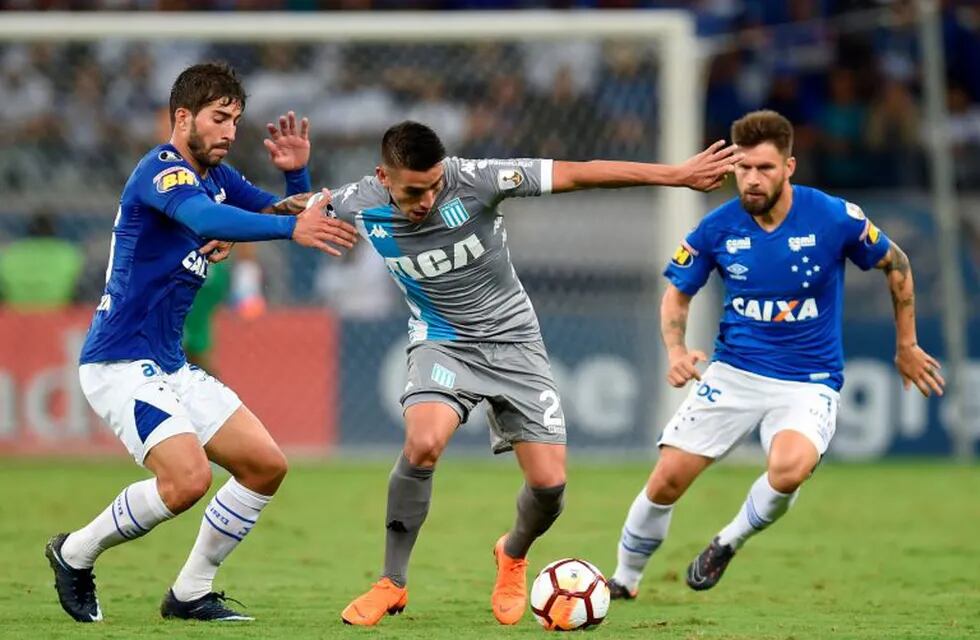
(228,518)
(409,496)
(537,509)
(131,515)
(763,506)
(644,530)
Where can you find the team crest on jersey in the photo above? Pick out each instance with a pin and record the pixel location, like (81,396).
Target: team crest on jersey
(684,256)
(508,179)
(454,213)
(174,177)
(169,156)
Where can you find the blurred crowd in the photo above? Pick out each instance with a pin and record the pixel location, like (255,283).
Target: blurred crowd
(75,117)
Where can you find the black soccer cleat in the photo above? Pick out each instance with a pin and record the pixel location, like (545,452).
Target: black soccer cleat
(706,570)
(75,587)
(210,608)
(619,591)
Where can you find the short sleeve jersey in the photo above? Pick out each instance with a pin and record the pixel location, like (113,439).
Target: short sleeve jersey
(784,289)
(454,267)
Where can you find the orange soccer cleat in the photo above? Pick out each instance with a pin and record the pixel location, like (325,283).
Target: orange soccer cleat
(509,598)
(383,597)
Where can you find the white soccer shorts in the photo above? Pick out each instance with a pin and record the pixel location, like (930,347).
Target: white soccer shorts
(729,403)
(144,406)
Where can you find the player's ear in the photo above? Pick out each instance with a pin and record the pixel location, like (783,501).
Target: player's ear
(379,171)
(182,118)
(790,166)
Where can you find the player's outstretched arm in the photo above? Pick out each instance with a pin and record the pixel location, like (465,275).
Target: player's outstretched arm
(315,228)
(915,365)
(704,172)
(674,309)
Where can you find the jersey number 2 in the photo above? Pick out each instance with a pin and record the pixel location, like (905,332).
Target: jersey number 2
(551,418)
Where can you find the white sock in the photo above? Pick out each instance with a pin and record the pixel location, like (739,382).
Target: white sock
(763,506)
(131,515)
(645,528)
(228,518)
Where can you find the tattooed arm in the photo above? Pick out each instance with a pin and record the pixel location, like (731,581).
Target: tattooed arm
(673,326)
(915,365)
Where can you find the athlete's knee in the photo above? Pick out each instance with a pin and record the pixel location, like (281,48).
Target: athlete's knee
(786,474)
(666,486)
(423,447)
(264,471)
(551,500)
(181,488)
(544,477)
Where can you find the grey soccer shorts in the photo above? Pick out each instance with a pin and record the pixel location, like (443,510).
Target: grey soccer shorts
(513,377)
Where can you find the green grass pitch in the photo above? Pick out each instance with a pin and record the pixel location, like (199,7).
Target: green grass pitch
(869,551)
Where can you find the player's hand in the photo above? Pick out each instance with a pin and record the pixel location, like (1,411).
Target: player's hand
(292,205)
(919,368)
(315,229)
(707,170)
(288,148)
(216,250)
(683,366)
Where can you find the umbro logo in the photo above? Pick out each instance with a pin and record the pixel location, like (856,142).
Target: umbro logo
(737,271)
(377,231)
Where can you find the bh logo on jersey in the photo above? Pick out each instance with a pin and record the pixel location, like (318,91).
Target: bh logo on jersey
(173,177)
(196,264)
(435,262)
(776,310)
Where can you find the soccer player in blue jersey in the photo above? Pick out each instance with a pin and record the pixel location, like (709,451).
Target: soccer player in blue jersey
(179,210)
(778,363)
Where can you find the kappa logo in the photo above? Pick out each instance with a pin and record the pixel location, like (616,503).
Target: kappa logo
(737,271)
(508,179)
(801,242)
(776,310)
(174,177)
(734,245)
(377,231)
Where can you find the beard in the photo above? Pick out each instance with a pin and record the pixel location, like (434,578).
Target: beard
(755,207)
(202,152)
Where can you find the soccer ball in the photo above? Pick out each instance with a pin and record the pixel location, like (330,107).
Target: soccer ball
(569,594)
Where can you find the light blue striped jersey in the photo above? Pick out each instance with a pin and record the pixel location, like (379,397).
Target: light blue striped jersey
(454,267)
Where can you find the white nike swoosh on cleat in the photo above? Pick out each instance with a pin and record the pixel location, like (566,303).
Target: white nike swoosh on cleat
(97,616)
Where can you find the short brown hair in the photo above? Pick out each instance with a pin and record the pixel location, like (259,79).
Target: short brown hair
(198,86)
(764,126)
